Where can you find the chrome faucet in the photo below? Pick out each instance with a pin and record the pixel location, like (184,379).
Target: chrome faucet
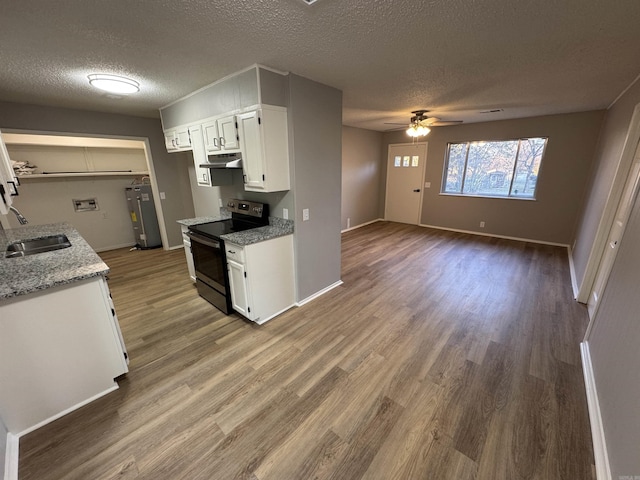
(19,216)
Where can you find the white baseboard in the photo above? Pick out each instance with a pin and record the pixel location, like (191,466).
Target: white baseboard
(362,225)
(603,470)
(572,271)
(114,247)
(12,456)
(265,320)
(318,294)
(506,237)
(68,410)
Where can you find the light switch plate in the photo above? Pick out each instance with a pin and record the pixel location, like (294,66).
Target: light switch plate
(427,184)
(305,214)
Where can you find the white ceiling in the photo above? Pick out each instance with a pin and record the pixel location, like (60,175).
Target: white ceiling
(455,57)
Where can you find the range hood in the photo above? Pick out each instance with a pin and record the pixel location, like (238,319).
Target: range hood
(223,161)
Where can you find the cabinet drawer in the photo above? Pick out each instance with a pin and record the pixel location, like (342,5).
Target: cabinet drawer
(234,252)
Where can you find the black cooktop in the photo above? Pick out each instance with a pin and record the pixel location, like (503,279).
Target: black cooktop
(222,227)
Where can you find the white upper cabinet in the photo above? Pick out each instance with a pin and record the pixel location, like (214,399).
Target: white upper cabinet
(265,149)
(221,135)
(8,181)
(177,139)
(211,137)
(199,155)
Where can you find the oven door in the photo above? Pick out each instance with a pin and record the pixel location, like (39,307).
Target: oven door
(211,270)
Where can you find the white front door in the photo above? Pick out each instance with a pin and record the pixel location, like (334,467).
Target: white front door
(617,230)
(405,179)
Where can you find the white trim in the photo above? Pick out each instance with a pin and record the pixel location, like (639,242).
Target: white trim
(114,247)
(68,410)
(175,247)
(362,225)
(572,271)
(623,92)
(611,206)
(603,470)
(318,294)
(12,457)
(506,237)
(260,321)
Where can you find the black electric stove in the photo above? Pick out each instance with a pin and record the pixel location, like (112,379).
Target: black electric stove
(207,248)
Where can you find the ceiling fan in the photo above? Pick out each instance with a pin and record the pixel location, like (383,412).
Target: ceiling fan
(419,123)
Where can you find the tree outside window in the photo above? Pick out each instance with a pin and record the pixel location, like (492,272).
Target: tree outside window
(494,168)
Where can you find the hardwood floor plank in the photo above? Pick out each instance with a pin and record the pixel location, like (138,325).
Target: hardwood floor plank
(443,355)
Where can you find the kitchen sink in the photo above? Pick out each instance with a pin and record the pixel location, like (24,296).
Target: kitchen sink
(37,245)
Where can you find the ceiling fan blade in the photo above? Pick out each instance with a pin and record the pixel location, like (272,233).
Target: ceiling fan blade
(445,123)
(396,123)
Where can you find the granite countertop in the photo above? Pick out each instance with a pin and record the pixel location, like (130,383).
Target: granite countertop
(278,227)
(31,273)
(187,222)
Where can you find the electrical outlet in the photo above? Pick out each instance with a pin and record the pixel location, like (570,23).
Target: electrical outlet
(481,224)
(220,203)
(348,223)
(305,214)
(162,196)
(285,213)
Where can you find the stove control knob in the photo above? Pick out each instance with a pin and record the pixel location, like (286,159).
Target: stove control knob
(231,204)
(257,210)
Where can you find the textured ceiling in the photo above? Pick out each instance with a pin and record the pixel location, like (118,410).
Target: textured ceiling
(455,57)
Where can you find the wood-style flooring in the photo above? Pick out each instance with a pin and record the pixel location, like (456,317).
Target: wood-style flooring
(442,356)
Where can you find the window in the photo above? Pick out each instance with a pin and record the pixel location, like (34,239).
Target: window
(494,169)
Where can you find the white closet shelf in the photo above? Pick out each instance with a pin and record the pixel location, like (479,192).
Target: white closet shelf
(84,174)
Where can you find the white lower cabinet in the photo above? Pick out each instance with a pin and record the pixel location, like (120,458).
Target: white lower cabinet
(186,241)
(60,348)
(261,278)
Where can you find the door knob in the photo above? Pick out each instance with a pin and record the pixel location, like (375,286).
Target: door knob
(417,190)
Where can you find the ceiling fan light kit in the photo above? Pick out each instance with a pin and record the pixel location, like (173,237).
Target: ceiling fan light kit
(113,83)
(417,130)
(419,123)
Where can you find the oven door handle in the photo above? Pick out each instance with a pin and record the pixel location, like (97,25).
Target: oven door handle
(203,240)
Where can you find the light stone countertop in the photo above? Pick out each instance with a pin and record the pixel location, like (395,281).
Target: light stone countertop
(31,273)
(277,227)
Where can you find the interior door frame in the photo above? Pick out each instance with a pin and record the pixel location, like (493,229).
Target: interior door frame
(608,216)
(424,173)
(632,186)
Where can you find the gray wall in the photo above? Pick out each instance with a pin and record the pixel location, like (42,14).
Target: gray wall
(564,174)
(362,164)
(613,345)
(170,174)
(315,118)
(615,334)
(609,149)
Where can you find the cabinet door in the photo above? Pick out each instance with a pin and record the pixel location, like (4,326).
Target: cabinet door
(252,158)
(211,137)
(228,131)
(183,140)
(238,285)
(7,177)
(199,156)
(170,140)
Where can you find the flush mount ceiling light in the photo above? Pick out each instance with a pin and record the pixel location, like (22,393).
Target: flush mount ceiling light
(114,83)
